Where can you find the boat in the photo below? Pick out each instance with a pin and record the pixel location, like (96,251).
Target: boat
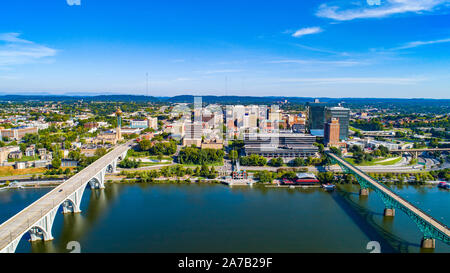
(444,185)
(329,187)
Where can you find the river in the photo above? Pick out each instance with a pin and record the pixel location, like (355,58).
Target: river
(216,218)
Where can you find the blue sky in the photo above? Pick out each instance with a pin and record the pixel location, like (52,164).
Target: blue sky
(314,48)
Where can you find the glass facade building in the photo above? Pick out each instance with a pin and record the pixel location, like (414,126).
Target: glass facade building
(316,115)
(343,116)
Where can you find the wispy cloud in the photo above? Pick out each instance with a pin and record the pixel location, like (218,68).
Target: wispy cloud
(14,50)
(319,62)
(422,43)
(221,71)
(13,37)
(351,80)
(321,50)
(307,31)
(388,8)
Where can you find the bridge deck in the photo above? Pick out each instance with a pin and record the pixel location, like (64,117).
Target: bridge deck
(23,221)
(420,150)
(441,227)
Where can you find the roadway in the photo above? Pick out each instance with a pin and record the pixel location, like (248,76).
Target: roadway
(25,219)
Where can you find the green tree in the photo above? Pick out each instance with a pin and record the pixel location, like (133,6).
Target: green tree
(56,163)
(233,155)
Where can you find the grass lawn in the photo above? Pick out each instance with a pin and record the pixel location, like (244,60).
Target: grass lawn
(376,162)
(164,157)
(9,171)
(390,162)
(24,158)
(145,164)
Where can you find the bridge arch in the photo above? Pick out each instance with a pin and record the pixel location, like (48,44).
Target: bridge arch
(95,183)
(70,205)
(112,167)
(68,194)
(37,232)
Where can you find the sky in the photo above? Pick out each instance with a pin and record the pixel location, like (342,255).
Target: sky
(301,48)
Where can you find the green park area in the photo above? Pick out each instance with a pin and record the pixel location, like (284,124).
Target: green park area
(381,161)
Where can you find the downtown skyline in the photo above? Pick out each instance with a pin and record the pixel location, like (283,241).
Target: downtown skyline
(398,49)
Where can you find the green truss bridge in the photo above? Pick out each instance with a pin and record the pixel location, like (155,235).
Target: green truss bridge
(431,228)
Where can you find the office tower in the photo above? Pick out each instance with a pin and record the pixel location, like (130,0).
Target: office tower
(316,117)
(343,116)
(332,132)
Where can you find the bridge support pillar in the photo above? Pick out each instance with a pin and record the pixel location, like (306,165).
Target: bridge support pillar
(69,207)
(389,212)
(364,191)
(428,243)
(42,230)
(98,181)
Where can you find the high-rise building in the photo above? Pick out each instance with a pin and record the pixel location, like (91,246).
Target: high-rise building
(332,132)
(152,122)
(316,117)
(193,134)
(343,116)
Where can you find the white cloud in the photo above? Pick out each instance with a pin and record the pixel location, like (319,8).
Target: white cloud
(306,31)
(349,80)
(14,50)
(338,63)
(12,37)
(422,43)
(390,7)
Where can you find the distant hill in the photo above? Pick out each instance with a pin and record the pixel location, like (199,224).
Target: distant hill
(115,98)
(226,99)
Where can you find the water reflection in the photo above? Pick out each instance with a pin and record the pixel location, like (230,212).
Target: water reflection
(75,226)
(217,218)
(363,216)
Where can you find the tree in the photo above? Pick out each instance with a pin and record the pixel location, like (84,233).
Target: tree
(56,162)
(325,177)
(276,162)
(100,152)
(336,151)
(160,157)
(204,171)
(233,155)
(127,163)
(145,144)
(253,160)
(298,161)
(264,176)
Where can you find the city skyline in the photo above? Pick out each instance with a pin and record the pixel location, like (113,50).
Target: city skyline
(396,49)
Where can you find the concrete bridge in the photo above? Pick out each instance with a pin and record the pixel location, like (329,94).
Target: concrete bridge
(415,152)
(431,228)
(37,218)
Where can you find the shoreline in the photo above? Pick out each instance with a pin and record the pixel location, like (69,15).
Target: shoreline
(36,185)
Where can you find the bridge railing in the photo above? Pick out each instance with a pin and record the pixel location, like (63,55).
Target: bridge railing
(45,207)
(397,195)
